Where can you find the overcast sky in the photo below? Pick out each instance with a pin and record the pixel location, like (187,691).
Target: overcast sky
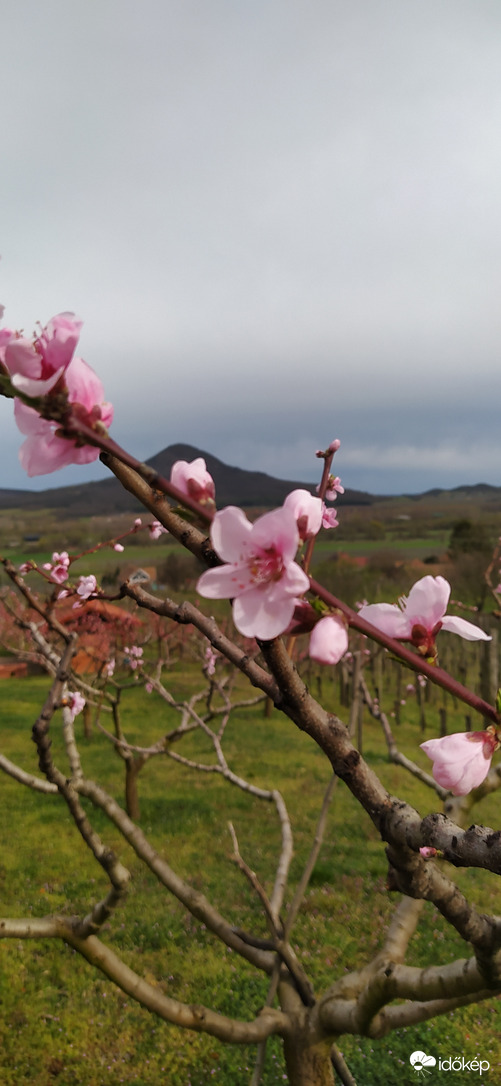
(279,221)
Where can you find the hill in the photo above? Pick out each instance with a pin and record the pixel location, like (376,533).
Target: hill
(234,486)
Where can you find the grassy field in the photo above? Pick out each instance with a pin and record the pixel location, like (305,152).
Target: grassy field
(61,1022)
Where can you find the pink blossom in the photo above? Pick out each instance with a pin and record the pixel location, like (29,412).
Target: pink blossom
(333,488)
(109,668)
(44,450)
(156,529)
(75,703)
(193,479)
(307,511)
(329,640)
(260,574)
(427,852)
(58,574)
(86,586)
(420,616)
(119,547)
(58,567)
(461,761)
(35,367)
(61,558)
(329,517)
(134,654)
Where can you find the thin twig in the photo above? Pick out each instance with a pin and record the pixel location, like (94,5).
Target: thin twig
(299,893)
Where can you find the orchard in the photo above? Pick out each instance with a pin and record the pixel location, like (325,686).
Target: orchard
(255,629)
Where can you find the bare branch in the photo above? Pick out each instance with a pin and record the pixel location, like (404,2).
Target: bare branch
(33,601)
(299,893)
(192,538)
(44,927)
(461,979)
(194,1016)
(286,854)
(70,743)
(281,945)
(408,1014)
(192,899)
(186,614)
(401,929)
(29,779)
(478,846)
(341,1067)
(188,1016)
(254,882)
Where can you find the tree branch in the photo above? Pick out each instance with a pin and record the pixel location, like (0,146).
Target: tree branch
(192,899)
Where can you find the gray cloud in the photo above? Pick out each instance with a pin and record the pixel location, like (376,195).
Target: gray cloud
(276,222)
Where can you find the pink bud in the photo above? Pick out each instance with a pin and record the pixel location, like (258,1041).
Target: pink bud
(156,529)
(461,761)
(193,479)
(329,640)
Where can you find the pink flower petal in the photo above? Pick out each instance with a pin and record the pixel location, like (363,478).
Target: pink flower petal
(22,359)
(460,761)
(255,615)
(43,453)
(388,618)
(277,530)
(329,640)
(465,629)
(85,388)
(58,340)
(230,534)
(427,601)
(224,582)
(307,512)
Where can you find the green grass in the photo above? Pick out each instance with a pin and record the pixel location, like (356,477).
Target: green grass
(62,1022)
(414,547)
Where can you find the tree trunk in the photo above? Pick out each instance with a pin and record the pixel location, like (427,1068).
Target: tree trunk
(308,1063)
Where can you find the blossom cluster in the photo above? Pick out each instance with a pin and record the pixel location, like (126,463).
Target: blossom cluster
(52,387)
(133,656)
